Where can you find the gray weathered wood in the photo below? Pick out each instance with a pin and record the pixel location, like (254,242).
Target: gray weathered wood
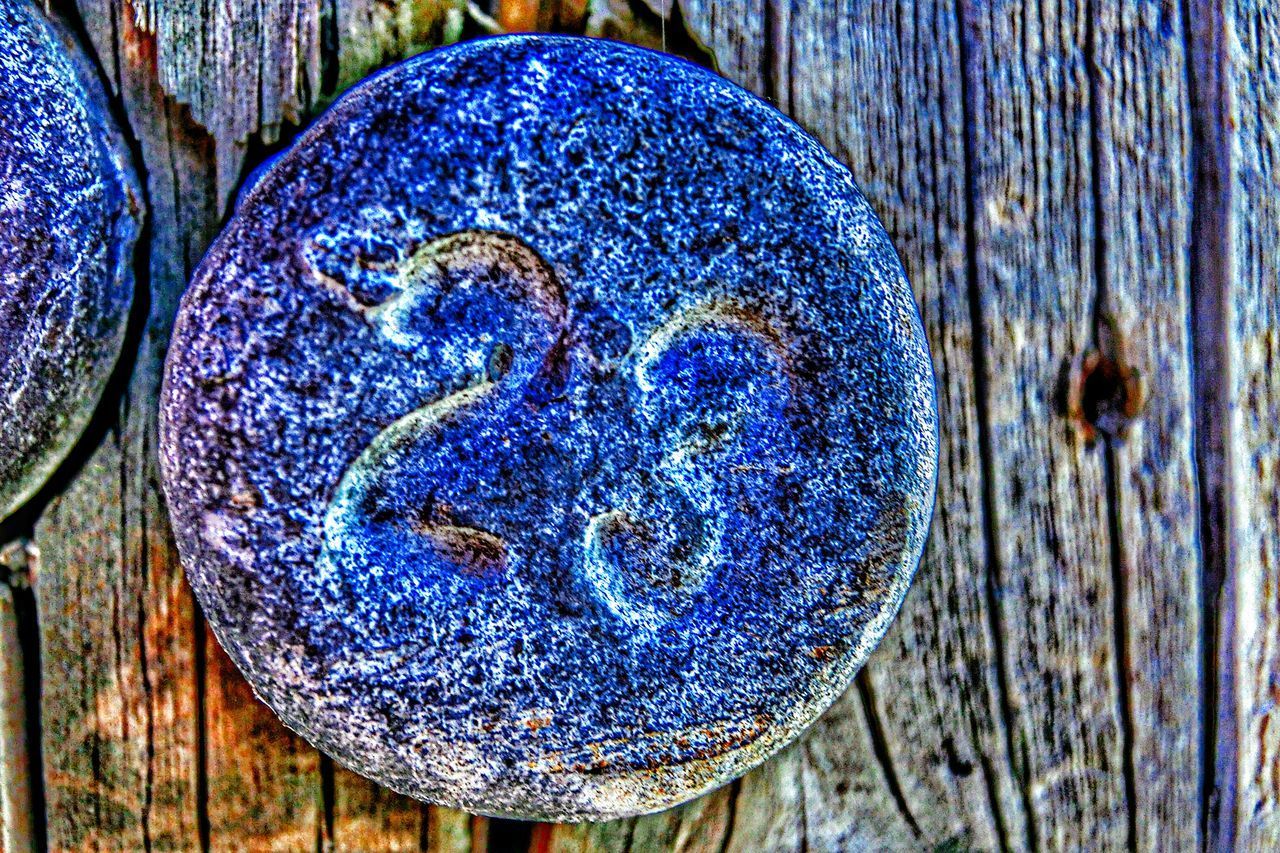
(888,78)
(247,67)
(16,823)
(1031,612)
(1142,193)
(1034,220)
(830,68)
(120,714)
(1248,756)
(242,67)
(1045,683)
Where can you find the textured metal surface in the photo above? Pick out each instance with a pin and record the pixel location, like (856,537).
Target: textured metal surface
(551,431)
(69,215)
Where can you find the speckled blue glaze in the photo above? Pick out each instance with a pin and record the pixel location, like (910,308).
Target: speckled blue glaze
(70,212)
(551,432)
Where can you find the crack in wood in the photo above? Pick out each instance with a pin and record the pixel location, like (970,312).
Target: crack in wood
(1101,315)
(1210,282)
(982,395)
(324,828)
(203,826)
(735,789)
(880,748)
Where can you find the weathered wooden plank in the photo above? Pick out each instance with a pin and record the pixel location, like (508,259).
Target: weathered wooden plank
(1052,582)
(264,788)
(242,66)
(699,827)
(248,782)
(17,832)
(614,836)
(247,67)
(839,792)
(1249,751)
(1040,686)
(883,88)
(119,713)
(1142,196)
(374,34)
(453,831)
(873,80)
(368,817)
(520,16)
(1034,221)
(138,599)
(1027,162)
(98,717)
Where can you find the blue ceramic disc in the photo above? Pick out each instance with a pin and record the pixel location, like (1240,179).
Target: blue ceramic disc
(69,215)
(551,432)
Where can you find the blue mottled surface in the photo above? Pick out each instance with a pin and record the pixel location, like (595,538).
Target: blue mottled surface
(551,432)
(69,216)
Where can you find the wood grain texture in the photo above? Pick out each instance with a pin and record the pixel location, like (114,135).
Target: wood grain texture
(264,787)
(1142,195)
(1068,184)
(246,68)
(839,788)
(113,777)
(867,79)
(453,831)
(374,34)
(242,66)
(1250,129)
(16,820)
(1034,220)
(1002,695)
(368,817)
(119,706)
(153,740)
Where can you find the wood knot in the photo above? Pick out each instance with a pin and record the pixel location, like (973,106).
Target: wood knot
(1101,395)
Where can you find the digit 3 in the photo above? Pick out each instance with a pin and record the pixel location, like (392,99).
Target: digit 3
(713,387)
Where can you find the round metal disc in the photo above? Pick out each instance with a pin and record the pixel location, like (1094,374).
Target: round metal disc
(551,432)
(69,216)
